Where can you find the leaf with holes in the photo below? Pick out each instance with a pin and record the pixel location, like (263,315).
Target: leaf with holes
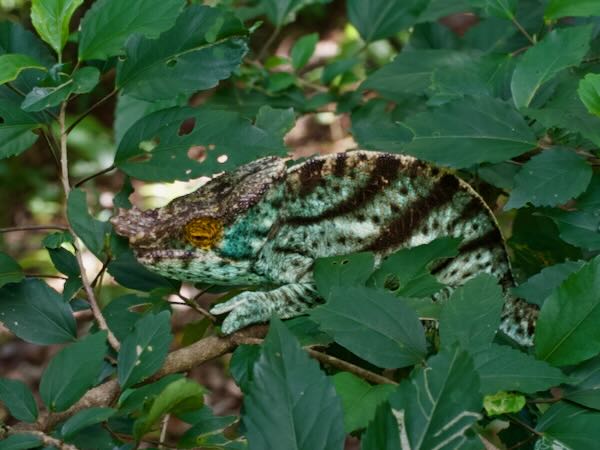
(560,49)
(109,23)
(158,147)
(203,37)
(145,349)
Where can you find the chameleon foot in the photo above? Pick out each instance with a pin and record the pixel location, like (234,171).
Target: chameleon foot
(255,306)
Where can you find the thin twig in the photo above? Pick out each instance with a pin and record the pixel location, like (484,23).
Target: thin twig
(78,251)
(163,431)
(51,147)
(44,275)
(101,272)
(192,304)
(34,228)
(523,30)
(335,362)
(269,42)
(94,175)
(89,110)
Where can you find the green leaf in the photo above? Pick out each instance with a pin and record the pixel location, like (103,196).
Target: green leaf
(72,371)
(567,331)
(308,413)
(560,49)
(10,270)
(379,19)
(375,127)
(206,428)
(179,396)
(577,8)
(406,272)
(159,69)
(275,121)
(241,364)
(11,66)
(215,133)
(280,81)
(134,399)
(566,110)
(36,313)
(504,368)
(345,270)
(51,20)
(539,287)
(20,442)
(16,126)
(130,273)
(550,178)
(589,92)
(57,239)
(471,316)
(427,406)
(585,384)
(503,403)
(91,231)
(123,312)
(109,23)
(145,349)
(280,12)
(303,49)
(359,399)
(411,71)
(469,131)
(64,261)
(382,432)
(578,228)
(40,98)
(374,325)
(19,400)
(504,9)
(84,419)
(571,426)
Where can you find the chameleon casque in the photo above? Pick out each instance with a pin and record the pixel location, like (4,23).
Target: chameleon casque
(265,224)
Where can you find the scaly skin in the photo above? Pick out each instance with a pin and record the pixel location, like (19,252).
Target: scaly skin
(264,225)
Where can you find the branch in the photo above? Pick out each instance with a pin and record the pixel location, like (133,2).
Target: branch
(48,441)
(180,360)
(64,176)
(34,228)
(268,43)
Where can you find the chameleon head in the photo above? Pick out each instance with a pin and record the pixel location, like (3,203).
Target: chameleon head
(183,238)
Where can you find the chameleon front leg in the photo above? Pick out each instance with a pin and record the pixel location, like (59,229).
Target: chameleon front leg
(257,306)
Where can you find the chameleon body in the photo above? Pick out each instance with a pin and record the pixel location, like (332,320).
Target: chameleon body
(264,225)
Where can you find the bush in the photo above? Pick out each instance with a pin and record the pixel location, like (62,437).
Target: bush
(502,92)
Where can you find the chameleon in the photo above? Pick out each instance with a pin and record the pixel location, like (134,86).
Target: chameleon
(264,225)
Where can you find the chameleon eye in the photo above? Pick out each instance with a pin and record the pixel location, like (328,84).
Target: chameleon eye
(204,232)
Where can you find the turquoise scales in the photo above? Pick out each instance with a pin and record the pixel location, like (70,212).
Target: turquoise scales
(264,225)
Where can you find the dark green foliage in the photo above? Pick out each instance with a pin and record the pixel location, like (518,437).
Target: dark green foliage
(510,103)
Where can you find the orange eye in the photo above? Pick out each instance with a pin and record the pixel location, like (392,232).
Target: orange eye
(204,232)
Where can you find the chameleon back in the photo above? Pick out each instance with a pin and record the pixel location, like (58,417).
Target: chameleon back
(380,202)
